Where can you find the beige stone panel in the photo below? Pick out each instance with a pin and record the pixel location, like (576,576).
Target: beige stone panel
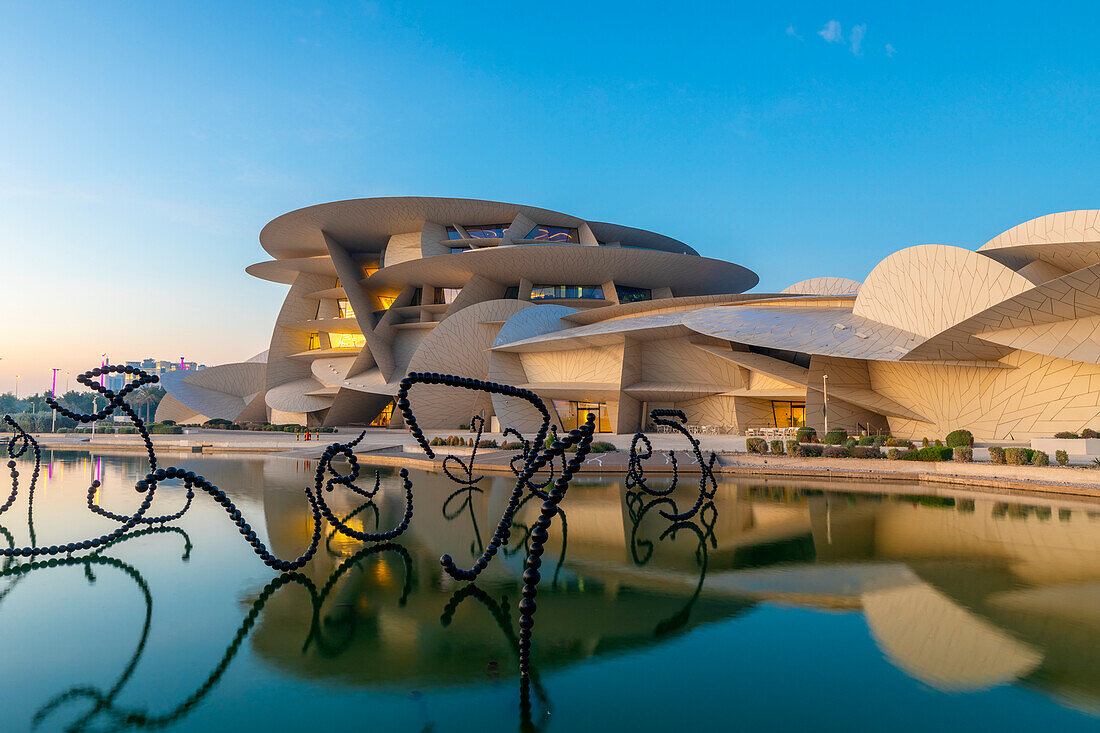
(170,408)
(1077,339)
(402,248)
(1042,395)
(458,345)
(929,288)
(1069,240)
(750,412)
(824,286)
(718,410)
(362,303)
(433,240)
(602,365)
(678,359)
(476,290)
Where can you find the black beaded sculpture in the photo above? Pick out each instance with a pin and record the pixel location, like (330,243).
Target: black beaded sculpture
(635,473)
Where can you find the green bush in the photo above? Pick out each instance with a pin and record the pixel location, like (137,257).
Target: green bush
(217,423)
(835,437)
(1066,435)
(794,448)
(835,451)
(893,454)
(957,438)
(1041,458)
(930,453)
(964,454)
(1062,457)
(164,429)
(1019,456)
(599,446)
(491,443)
(937,443)
(436,441)
(924,443)
(851,443)
(866,451)
(997,455)
(514,445)
(866,440)
(811,450)
(807,435)
(1088,433)
(777,447)
(898,442)
(756,445)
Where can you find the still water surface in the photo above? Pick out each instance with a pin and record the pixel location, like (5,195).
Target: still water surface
(788,605)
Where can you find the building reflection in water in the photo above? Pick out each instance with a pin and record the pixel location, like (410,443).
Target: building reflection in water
(962,591)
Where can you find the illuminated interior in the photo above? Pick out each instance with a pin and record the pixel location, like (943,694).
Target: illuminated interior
(573,414)
(789,414)
(385,301)
(347,340)
(314,341)
(383,418)
(556,292)
(346,311)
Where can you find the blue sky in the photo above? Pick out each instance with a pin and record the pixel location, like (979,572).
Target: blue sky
(145,145)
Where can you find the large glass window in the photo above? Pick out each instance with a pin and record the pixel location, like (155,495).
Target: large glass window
(628,294)
(383,418)
(459,250)
(385,302)
(789,414)
(573,414)
(346,340)
(555,292)
(346,311)
(511,292)
(314,341)
(552,234)
(791,357)
(479,231)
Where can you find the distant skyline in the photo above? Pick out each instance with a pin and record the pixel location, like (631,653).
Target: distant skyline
(146,145)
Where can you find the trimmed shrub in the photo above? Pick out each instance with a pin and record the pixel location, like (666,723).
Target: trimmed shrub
(756,445)
(964,454)
(893,454)
(957,438)
(807,435)
(794,448)
(924,443)
(866,440)
(165,429)
(1066,435)
(1041,458)
(599,446)
(1088,433)
(865,451)
(997,455)
(1062,457)
(929,453)
(1018,456)
(835,451)
(811,450)
(835,437)
(436,441)
(514,445)
(938,443)
(777,447)
(898,442)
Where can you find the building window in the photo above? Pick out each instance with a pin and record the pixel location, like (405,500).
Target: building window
(385,302)
(346,340)
(445,296)
(383,418)
(459,250)
(628,294)
(417,297)
(557,292)
(479,231)
(789,414)
(314,341)
(511,292)
(552,234)
(368,270)
(346,311)
(572,414)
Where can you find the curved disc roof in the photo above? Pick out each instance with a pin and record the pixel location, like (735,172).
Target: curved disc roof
(366,224)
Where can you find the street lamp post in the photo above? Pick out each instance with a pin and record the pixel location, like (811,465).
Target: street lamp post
(95,408)
(16,386)
(825,400)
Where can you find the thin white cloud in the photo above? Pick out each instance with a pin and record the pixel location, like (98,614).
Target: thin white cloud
(832,32)
(793,33)
(856,37)
(890,50)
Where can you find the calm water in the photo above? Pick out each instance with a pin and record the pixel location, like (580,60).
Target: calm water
(790,606)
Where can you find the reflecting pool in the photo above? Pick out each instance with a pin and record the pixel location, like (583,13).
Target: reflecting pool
(784,605)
